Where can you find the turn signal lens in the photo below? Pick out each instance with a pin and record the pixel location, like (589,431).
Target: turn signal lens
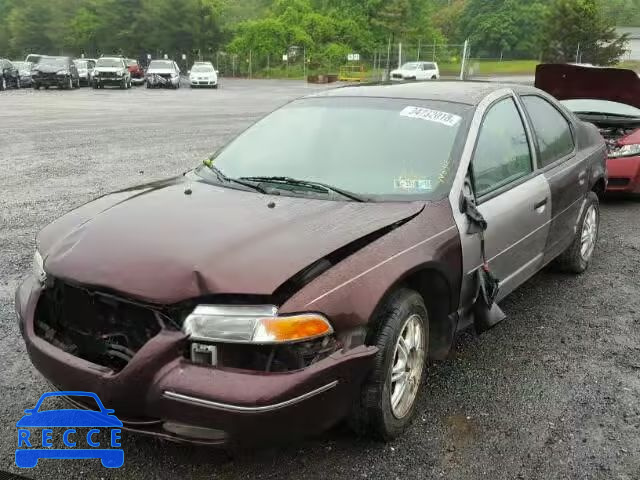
(291,329)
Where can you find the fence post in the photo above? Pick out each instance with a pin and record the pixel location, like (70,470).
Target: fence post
(419,45)
(400,55)
(434,51)
(388,69)
(464,59)
(250,65)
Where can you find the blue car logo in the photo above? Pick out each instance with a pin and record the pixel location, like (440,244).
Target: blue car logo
(33,447)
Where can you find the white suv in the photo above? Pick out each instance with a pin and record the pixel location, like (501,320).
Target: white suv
(416,71)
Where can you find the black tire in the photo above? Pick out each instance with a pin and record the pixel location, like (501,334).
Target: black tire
(372,414)
(46,87)
(36,86)
(572,259)
(434,78)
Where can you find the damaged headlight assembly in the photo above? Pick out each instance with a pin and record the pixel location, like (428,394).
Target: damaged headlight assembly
(253,324)
(37,268)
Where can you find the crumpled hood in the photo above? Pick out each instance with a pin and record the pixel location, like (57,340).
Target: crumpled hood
(158,244)
(161,71)
(50,68)
(109,70)
(569,82)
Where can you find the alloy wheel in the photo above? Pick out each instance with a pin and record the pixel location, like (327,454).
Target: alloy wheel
(589,233)
(407,365)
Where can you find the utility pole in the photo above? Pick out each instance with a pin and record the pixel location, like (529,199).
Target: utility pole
(399,54)
(578,53)
(419,45)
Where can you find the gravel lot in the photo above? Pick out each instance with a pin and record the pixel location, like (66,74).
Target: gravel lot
(551,393)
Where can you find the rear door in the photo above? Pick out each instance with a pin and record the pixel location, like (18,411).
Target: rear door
(512,195)
(566,172)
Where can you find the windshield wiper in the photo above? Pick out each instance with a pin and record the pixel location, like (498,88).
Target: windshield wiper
(308,184)
(222,178)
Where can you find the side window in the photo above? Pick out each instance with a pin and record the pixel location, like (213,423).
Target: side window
(502,154)
(551,128)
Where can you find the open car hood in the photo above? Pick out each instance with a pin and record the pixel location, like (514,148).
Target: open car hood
(569,82)
(159,244)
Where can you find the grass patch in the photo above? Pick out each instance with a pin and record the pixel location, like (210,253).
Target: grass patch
(492,67)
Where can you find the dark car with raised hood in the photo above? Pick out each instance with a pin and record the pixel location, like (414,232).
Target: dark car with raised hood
(608,98)
(290,282)
(58,72)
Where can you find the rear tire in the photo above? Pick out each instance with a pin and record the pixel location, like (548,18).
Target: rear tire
(389,396)
(577,258)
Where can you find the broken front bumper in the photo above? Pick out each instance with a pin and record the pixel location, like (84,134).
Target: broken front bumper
(160,392)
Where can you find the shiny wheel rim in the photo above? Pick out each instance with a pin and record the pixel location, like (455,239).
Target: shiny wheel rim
(406,369)
(589,233)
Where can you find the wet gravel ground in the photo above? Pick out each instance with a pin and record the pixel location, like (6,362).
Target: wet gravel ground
(551,393)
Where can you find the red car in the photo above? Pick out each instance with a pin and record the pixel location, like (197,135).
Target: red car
(136,71)
(610,99)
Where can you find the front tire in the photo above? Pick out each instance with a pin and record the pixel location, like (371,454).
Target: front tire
(389,396)
(577,258)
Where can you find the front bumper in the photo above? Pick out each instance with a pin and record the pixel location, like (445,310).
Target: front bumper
(203,83)
(624,175)
(137,80)
(112,81)
(161,393)
(49,81)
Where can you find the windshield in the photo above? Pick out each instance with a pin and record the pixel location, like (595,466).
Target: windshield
(202,68)
(109,63)
(82,64)
(376,148)
(53,62)
(604,107)
(161,64)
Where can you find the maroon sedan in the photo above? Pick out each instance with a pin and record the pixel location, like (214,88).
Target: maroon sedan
(306,272)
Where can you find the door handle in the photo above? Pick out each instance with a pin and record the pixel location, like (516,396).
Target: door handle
(540,204)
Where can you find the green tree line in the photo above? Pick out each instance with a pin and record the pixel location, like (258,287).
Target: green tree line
(327,30)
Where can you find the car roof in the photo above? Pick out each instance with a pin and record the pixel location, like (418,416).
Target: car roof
(468,92)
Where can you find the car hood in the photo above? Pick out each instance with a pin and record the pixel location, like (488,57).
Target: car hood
(567,82)
(50,68)
(161,70)
(184,238)
(109,70)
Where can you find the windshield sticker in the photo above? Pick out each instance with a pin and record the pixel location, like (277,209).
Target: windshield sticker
(448,119)
(406,183)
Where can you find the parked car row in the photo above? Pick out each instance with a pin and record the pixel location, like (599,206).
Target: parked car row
(44,71)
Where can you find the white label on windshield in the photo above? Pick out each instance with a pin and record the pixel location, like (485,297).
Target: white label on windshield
(448,119)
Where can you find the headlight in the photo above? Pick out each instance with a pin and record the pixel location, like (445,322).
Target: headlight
(37,268)
(257,324)
(625,151)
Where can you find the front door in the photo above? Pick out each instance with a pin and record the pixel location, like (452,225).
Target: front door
(512,196)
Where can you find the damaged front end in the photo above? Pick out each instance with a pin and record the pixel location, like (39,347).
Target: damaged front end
(100,328)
